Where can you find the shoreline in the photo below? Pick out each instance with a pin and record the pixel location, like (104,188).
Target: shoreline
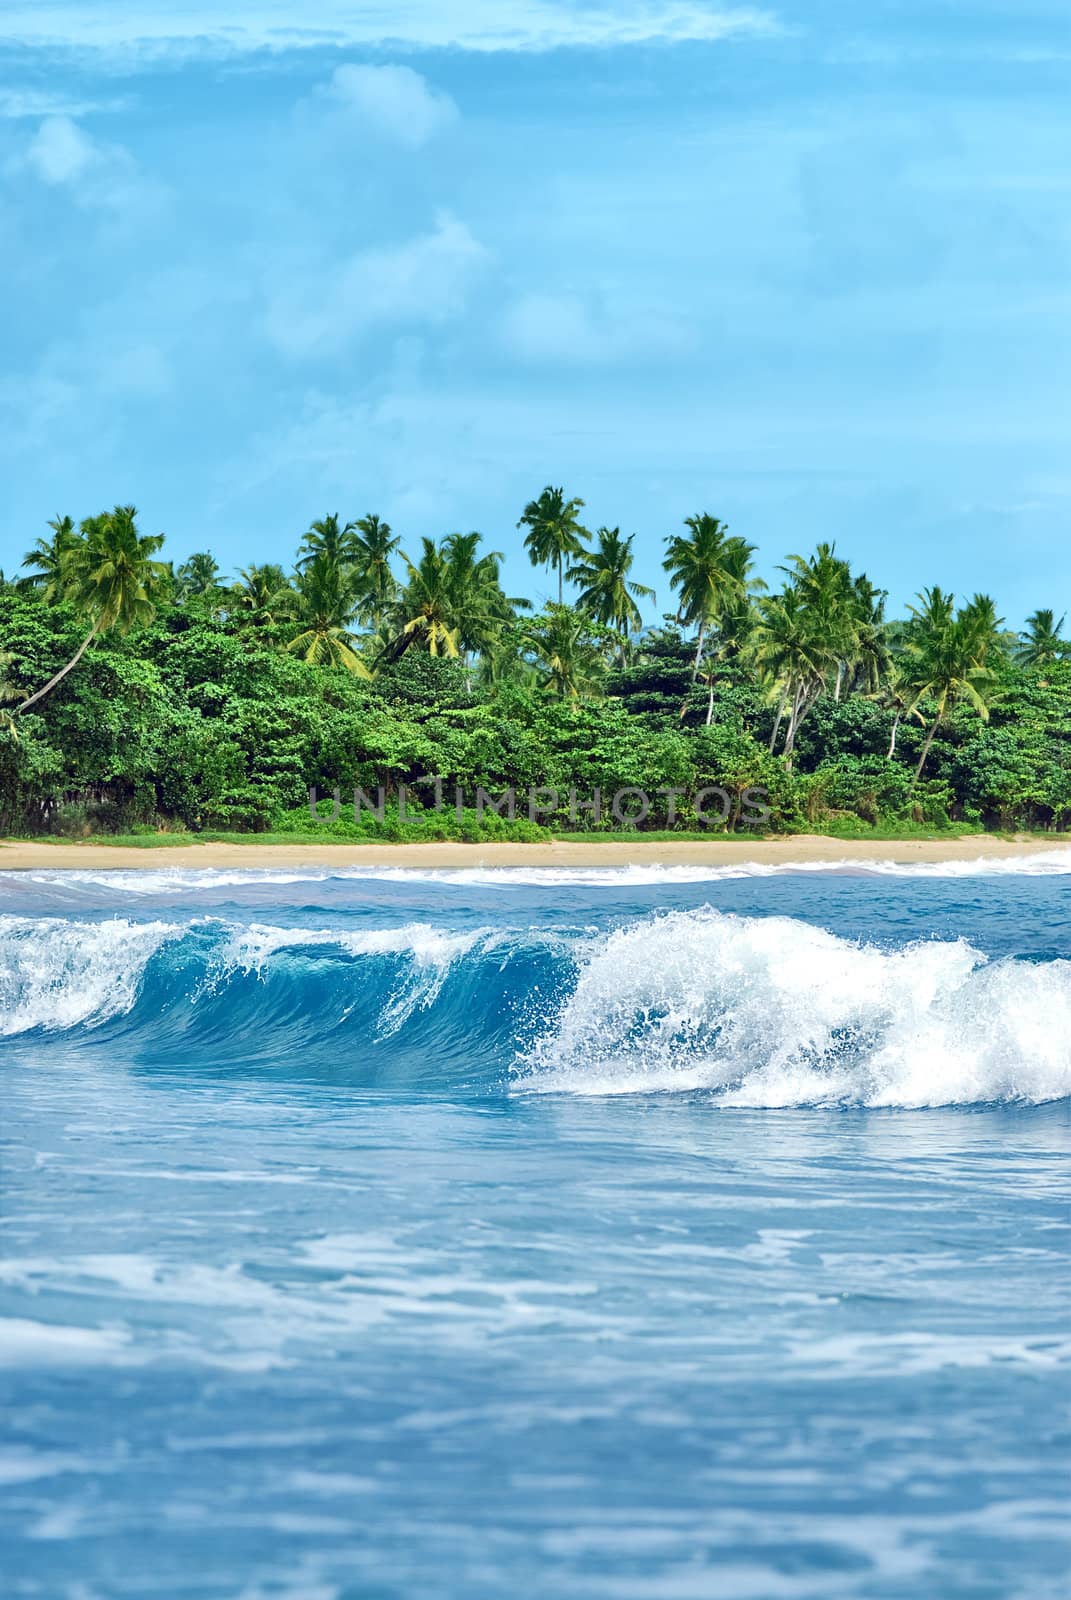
(787,849)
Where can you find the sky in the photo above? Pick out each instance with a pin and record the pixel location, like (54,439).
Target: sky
(804,266)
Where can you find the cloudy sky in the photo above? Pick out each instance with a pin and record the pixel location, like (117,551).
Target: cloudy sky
(805,266)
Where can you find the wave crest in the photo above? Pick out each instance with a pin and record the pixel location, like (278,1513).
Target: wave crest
(768,1011)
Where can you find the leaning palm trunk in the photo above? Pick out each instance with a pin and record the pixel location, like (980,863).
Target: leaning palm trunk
(778,719)
(62,673)
(926,746)
(892,741)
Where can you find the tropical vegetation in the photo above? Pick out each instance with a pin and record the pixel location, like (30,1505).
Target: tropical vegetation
(141,695)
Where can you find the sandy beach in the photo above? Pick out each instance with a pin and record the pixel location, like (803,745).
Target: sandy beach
(34,855)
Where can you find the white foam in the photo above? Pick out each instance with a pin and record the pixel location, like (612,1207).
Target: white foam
(194,880)
(774,1012)
(58,974)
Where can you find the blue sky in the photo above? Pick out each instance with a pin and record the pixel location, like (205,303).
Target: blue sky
(805,266)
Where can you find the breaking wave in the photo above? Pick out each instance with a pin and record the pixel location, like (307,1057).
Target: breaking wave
(751,1010)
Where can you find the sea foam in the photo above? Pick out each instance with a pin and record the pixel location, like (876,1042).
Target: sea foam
(768,1011)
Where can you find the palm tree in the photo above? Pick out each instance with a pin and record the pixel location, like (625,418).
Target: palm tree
(554,532)
(790,650)
(893,693)
(8,694)
(426,610)
(481,608)
(262,596)
(373,544)
(944,657)
(49,559)
(709,569)
(199,575)
(1042,643)
(327,538)
(327,601)
(570,661)
(606,591)
(824,583)
(870,654)
(111,577)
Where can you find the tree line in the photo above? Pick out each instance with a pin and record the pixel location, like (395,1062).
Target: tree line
(356,603)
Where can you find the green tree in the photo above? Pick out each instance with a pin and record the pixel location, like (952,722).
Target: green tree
(8,695)
(944,658)
(49,559)
(426,609)
(824,584)
(555,533)
(327,601)
(197,576)
(1041,644)
(373,544)
(111,578)
(262,596)
(709,569)
(568,653)
(329,539)
(605,589)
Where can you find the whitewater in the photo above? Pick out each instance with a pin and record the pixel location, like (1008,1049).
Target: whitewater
(632,1231)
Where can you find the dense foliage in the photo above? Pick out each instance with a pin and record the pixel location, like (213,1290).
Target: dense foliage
(136,696)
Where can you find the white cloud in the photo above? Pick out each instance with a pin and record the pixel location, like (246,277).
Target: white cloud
(61,151)
(96,174)
(423,281)
(119,26)
(395,102)
(558,329)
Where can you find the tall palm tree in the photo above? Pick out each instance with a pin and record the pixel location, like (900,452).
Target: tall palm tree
(606,590)
(790,651)
(49,559)
(709,569)
(426,609)
(824,583)
(570,662)
(555,533)
(262,596)
(327,537)
(199,575)
(944,658)
(870,654)
(1041,644)
(481,608)
(373,544)
(327,601)
(112,578)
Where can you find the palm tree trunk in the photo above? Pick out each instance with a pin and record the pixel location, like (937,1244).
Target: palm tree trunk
(926,748)
(778,719)
(793,722)
(561,589)
(892,741)
(699,647)
(73,662)
(840,674)
(710,701)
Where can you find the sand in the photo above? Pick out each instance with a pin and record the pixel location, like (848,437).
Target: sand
(94,856)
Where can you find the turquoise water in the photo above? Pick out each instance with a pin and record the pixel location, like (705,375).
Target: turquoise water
(526,1234)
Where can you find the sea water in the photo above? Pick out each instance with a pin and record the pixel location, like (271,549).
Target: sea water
(633,1233)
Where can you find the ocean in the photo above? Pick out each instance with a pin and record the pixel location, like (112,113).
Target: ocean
(638,1232)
